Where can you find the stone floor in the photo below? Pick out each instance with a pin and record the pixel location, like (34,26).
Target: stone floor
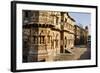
(77,53)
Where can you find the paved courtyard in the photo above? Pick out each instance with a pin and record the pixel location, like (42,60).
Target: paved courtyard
(77,53)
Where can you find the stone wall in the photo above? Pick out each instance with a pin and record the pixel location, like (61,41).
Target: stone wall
(47,34)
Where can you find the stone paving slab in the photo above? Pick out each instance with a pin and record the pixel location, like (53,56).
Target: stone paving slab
(74,55)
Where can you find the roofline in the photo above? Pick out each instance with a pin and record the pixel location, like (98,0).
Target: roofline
(70,17)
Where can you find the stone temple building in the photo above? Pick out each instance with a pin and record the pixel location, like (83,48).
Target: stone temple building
(46,34)
(81,35)
(67,32)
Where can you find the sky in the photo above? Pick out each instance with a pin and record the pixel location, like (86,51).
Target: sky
(82,19)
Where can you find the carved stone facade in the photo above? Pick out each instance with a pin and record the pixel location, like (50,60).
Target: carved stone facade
(67,32)
(46,34)
(81,35)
